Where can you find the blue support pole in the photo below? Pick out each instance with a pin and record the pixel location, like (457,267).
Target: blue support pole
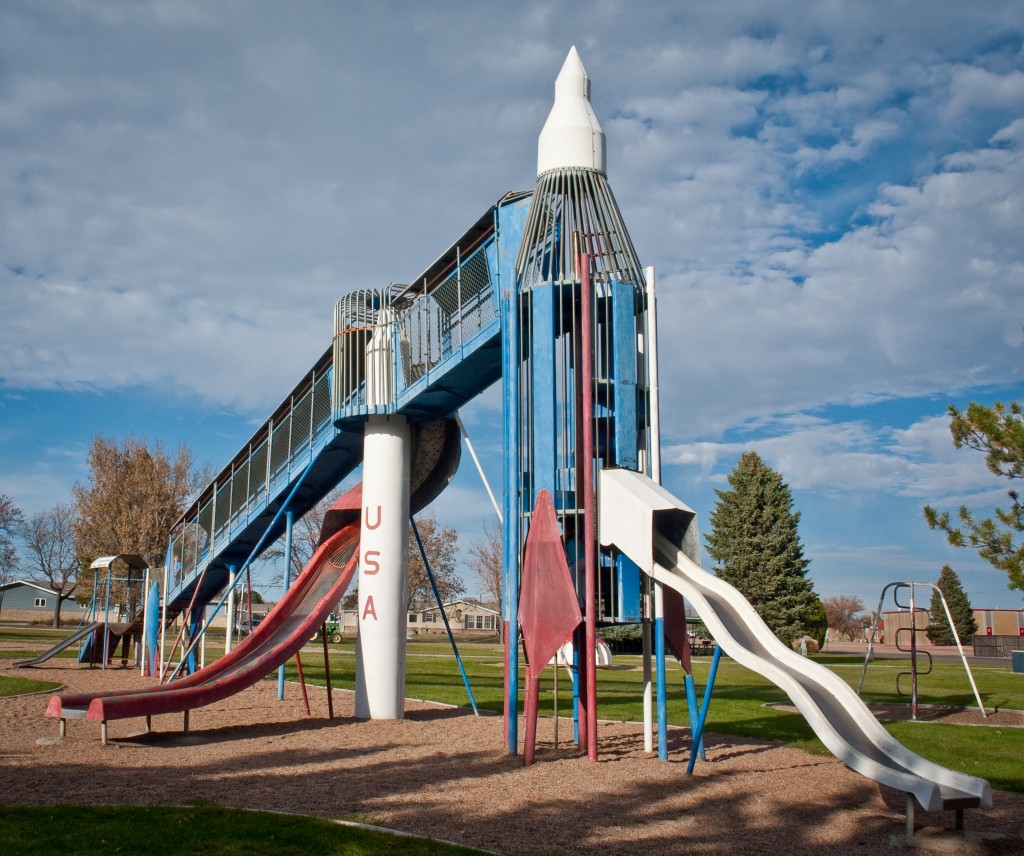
(659,668)
(444,615)
(698,736)
(510,579)
(289,517)
(693,710)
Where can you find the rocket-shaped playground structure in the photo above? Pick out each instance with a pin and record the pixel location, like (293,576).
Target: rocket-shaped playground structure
(544,292)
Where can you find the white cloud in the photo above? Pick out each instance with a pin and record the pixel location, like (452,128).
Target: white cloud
(847,458)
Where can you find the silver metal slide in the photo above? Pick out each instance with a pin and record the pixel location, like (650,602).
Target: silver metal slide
(836,713)
(77,636)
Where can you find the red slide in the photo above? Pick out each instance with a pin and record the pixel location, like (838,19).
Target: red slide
(287,627)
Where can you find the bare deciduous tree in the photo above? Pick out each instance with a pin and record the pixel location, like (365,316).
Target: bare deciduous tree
(485,559)
(305,537)
(49,538)
(845,613)
(441,544)
(133,495)
(11,519)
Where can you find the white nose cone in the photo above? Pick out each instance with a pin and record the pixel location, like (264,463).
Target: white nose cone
(572,136)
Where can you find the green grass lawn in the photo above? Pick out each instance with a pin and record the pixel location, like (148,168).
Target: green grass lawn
(12,686)
(159,831)
(738,703)
(737,707)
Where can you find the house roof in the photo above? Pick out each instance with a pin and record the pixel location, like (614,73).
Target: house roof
(475,604)
(36,586)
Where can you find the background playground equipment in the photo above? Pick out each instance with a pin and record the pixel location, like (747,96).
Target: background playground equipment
(906,640)
(114,615)
(546,292)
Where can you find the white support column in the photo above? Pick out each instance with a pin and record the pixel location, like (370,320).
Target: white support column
(383,570)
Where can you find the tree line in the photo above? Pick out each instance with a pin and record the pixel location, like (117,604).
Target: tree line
(133,494)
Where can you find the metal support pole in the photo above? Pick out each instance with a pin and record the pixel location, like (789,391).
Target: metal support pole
(229,632)
(913,655)
(444,615)
(479,469)
(202,641)
(289,517)
(656,598)
(693,710)
(659,663)
(698,737)
(106,623)
(589,531)
(163,625)
(145,621)
(510,578)
(327,672)
(646,637)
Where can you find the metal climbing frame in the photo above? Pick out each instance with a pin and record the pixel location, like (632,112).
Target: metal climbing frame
(913,609)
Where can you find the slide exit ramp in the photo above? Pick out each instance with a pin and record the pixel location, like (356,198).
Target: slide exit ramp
(659,533)
(447,350)
(63,645)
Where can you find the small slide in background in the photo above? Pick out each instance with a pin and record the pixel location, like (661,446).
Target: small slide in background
(276,640)
(63,645)
(659,533)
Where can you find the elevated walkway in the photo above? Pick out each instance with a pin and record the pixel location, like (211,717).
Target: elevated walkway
(446,333)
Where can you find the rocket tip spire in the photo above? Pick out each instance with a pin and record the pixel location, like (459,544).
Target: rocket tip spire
(572,135)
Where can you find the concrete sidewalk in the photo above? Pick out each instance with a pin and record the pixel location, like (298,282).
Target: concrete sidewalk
(939,653)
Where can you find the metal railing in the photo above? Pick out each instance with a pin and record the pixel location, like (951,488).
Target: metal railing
(427,330)
(282,447)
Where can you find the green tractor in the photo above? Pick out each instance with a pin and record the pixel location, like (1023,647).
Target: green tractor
(332,627)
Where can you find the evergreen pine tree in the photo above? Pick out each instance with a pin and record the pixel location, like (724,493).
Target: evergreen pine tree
(756,547)
(959,607)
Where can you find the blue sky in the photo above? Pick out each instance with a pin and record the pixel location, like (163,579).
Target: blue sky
(832,194)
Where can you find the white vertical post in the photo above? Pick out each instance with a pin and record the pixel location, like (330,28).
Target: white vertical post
(163,616)
(654,601)
(145,621)
(229,631)
(289,517)
(383,570)
(202,640)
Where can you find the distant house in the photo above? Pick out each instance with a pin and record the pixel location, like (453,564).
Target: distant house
(34,602)
(464,616)
(991,622)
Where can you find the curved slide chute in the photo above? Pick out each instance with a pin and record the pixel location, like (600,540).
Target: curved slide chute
(276,640)
(631,501)
(299,613)
(63,645)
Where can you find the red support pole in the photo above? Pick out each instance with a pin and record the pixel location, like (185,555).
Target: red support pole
(532,697)
(589,545)
(302,683)
(327,672)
